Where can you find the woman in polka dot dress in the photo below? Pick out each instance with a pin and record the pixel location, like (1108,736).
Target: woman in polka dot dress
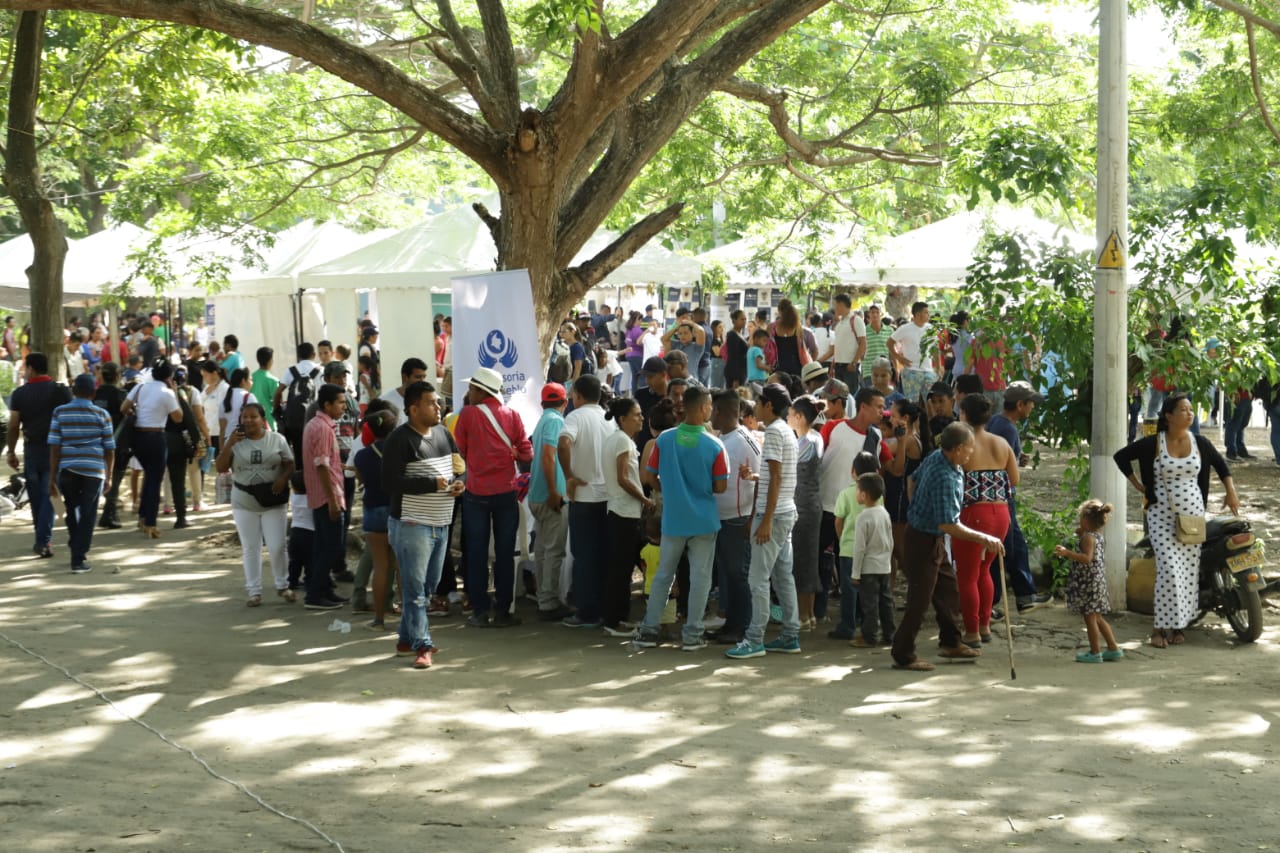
(1174,467)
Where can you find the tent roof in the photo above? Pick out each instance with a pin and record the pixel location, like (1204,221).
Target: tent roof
(752,259)
(456,243)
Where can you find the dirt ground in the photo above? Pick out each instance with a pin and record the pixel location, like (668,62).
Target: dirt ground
(539,738)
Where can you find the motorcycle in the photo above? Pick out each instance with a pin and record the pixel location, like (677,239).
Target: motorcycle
(1231,579)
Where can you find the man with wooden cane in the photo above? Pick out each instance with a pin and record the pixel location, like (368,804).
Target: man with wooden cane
(936,491)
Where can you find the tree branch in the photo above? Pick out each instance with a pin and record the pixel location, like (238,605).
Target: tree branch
(350,62)
(1255,79)
(1248,15)
(503,82)
(614,255)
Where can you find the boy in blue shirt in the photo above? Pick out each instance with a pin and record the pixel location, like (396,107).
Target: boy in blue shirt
(757,369)
(693,467)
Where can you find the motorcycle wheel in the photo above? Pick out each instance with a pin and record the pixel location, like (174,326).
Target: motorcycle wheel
(1246,621)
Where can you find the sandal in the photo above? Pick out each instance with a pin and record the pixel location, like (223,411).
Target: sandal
(1157,639)
(1177,638)
(916,665)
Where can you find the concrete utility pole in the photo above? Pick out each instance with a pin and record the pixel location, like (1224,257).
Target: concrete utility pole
(1111,298)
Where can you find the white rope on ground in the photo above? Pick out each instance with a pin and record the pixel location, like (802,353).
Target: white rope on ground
(191,753)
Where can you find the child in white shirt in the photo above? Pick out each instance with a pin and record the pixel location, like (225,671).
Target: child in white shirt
(872,555)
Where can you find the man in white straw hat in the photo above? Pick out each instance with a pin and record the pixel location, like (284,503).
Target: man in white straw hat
(492,440)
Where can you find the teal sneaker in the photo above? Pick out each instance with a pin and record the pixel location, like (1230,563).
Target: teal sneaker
(1088,657)
(745,650)
(1113,654)
(775,614)
(783,645)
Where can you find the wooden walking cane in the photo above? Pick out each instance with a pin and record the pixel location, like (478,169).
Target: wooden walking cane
(1008,620)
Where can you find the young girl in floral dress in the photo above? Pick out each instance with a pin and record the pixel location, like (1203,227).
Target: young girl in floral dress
(1087,583)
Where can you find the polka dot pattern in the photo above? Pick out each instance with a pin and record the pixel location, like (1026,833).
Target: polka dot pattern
(1177,565)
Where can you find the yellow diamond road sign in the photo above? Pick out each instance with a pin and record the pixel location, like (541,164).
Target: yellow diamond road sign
(1112,257)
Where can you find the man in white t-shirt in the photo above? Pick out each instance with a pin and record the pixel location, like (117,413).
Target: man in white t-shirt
(580,449)
(907,347)
(735,505)
(303,379)
(850,343)
(843,440)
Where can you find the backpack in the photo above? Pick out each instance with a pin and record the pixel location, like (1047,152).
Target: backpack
(559,369)
(301,392)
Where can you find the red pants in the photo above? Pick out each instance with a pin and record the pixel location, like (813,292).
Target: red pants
(973,564)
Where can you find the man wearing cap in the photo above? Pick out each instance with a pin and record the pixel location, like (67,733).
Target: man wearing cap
(835,395)
(581,453)
(1019,401)
(81,454)
(843,439)
(546,502)
(941,408)
(814,377)
(648,395)
(678,368)
(492,440)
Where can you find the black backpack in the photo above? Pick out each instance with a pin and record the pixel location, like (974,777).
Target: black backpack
(301,392)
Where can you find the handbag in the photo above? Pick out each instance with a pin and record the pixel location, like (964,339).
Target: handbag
(124,436)
(1187,529)
(262,493)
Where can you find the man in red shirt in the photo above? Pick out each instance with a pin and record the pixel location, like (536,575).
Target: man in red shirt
(492,439)
(321,464)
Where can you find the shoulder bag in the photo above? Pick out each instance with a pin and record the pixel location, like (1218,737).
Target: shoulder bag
(1187,529)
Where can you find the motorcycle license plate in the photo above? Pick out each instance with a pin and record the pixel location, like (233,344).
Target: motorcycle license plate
(1248,560)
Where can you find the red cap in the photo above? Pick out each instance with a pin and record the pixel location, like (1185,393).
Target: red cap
(553,392)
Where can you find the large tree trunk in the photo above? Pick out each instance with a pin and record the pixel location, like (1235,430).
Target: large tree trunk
(22,180)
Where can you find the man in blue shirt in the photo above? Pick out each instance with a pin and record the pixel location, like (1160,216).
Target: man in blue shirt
(936,489)
(546,502)
(1019,400)
(693,468)
(81,453)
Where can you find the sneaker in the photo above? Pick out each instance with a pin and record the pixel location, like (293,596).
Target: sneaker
(859,642)
(1088,657)
(1244,454)
(422,660)
(438,607)
(45,553)
(730,637)
(287,594)
(1231,457)
(693,645)
(323,604)
(361,605)
(783,645)
(619,631)
(775,614)
(81,568)
(745,650)
(645,639)
(1113,654)
(253,601)
(837,634)
(505,620)
(376,625)
(715,623)
(478,620)
(344,576)
(1027,602)
(555,614)
(110,524)
(575,622)
(404,650)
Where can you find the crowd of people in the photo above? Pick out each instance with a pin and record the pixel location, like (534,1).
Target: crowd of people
(770,471)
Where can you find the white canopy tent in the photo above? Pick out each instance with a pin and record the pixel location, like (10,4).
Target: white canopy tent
(406,266)
(93,263)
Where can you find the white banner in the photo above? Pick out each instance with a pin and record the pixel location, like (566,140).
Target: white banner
(494,327)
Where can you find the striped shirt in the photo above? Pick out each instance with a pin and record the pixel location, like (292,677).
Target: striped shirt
(780,447)
(83,431)
(411,464)
(877,346)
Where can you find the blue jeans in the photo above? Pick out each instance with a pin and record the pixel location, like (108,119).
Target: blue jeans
(35,468)
(772,562)
(1017,559)
(588,523)
(81,495)
(1235,419)
(702,553)
(481,515)
(1155,401)
(850,613)
(636,362)
(326,546)
(733,556)
(420,550)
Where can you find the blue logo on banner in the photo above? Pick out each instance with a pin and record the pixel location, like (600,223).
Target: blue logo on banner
(498,349)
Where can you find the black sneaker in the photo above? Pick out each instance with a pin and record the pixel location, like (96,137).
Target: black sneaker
(334,595)
(1231,457)
(478,620)
(1027,602)
(46,552)
(81,568)
(646,639)
(837,634)
(1244,454)
(344,576)
(554,615)
(109,524)
(722,637)
(323,604)
(505,620)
